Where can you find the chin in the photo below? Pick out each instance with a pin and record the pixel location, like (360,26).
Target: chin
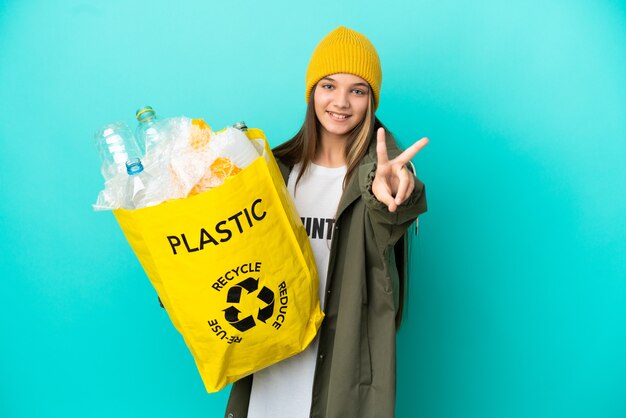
(339,132)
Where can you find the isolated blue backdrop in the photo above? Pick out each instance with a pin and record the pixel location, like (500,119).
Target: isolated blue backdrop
(518,305)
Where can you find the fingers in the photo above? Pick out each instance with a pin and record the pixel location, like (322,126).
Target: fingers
(382,193)
(381,146)
(410,152)
(388,200)
(404,180)
(405,186)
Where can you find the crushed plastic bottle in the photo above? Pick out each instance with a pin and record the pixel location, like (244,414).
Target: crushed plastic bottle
(147,132)
(116,144)
(233,143)
(137,190)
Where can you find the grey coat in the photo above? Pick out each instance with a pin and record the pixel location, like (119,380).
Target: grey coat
(355,374)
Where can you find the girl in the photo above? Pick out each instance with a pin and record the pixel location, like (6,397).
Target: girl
(356,197)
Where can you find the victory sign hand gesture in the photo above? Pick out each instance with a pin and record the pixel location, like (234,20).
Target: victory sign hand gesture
(393,183)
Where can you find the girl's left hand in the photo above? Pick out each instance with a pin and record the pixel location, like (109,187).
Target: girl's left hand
(393,183)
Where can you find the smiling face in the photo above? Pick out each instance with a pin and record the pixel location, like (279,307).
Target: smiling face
(341,102)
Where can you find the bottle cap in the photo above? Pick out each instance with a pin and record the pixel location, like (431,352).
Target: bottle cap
(146,110)
(241,126)
(134,166)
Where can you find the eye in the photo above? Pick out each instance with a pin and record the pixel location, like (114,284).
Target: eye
(327,86)
(359,92)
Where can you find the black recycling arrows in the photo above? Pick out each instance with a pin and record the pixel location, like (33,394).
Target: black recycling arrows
(234,294)
(249,284)
(265,295)
(232,314)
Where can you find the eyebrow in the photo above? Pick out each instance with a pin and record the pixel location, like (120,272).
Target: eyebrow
(355,84)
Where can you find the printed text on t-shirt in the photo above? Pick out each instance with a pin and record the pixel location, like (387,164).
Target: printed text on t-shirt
(319,228)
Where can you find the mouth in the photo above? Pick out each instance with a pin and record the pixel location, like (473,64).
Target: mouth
(339,117)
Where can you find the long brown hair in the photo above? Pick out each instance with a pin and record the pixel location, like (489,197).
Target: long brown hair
(303,146)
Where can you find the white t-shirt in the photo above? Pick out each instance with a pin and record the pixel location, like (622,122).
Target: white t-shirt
(285,389)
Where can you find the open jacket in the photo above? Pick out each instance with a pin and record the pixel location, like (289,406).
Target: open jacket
(355,374)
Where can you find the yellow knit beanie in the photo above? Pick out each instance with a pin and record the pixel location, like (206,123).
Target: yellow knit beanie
(345,51)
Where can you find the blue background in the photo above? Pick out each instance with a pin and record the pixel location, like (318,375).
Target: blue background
(518,302)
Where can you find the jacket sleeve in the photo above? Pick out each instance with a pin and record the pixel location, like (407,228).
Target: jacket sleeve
(389,226)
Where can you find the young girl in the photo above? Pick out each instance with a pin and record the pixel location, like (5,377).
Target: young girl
(356,197)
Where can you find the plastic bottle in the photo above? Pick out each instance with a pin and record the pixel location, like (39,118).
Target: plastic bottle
(116,144)
(137,191)
(232,143)
(147,131)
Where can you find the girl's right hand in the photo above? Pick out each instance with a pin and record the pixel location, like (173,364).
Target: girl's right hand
(393,183)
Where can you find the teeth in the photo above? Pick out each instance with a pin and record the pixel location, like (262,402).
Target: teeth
(338,116)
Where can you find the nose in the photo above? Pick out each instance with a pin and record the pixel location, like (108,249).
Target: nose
(340,99)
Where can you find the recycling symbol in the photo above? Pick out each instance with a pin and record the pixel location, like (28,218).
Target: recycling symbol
(265,295)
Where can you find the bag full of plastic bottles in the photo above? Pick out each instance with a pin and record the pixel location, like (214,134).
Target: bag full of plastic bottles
(210,219)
